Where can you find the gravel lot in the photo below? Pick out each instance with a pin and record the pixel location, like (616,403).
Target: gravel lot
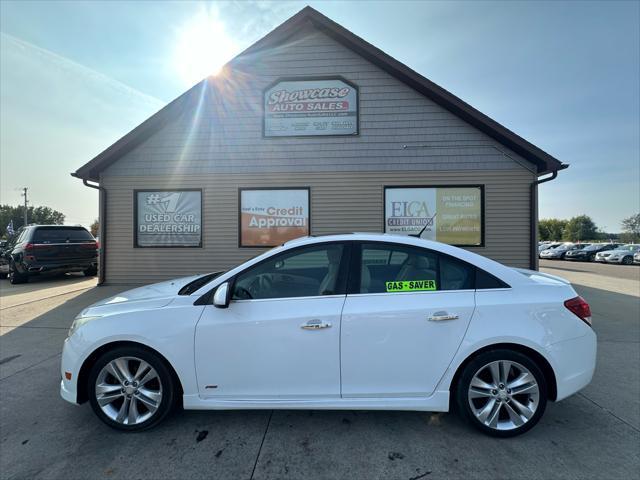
(595,434)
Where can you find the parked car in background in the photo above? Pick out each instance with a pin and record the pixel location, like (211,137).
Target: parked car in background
(547,245)
(4,264)
(51,249)
(384,322)
(559,253)
(588,254)
(623,254)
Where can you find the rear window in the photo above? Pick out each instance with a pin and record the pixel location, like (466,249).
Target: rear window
(61,235)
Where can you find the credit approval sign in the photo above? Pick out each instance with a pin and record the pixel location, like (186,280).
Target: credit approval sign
(270,217)
(310,108)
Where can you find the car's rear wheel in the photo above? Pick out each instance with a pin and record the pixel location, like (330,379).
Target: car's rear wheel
(131,388)
(90,272)
(628,260)
(502,393)
(16,277)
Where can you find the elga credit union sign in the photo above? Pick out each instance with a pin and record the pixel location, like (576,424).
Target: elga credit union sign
(310,108)
(450,215)
(270,217)
(168,218)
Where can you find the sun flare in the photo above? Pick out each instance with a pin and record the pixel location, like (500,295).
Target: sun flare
(202,48)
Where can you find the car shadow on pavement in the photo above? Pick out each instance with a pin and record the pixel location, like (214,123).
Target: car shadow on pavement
(38,282)
(45,437)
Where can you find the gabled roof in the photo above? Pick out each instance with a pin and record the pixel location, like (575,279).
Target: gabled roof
(544,162)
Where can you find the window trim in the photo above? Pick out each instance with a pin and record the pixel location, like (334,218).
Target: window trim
(353,285)
(341,282)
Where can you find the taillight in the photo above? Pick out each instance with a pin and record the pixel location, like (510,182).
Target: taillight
(580,308)
(28,247)
(92,246)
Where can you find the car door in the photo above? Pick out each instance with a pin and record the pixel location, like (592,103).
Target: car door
(404,318)
(280,336)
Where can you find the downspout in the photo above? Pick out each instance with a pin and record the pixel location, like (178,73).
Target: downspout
(102,215)
(533,212)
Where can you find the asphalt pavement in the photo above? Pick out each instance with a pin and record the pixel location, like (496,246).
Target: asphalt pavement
(594,434)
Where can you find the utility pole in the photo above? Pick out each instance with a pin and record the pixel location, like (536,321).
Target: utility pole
(24,194)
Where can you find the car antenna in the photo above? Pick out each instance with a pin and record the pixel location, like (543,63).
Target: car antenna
(426,224)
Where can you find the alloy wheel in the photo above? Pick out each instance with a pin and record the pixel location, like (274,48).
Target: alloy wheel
(128,390)
(503,395)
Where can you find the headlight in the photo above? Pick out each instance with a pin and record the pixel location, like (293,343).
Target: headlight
(78,322)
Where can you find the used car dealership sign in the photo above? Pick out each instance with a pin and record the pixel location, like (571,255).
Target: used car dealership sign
(311,107)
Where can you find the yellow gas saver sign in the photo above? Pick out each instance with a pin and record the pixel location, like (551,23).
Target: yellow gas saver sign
(411,286)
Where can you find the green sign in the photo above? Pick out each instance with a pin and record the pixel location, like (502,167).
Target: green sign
(411,286)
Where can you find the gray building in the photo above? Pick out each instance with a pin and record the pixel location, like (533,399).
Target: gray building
(311,130)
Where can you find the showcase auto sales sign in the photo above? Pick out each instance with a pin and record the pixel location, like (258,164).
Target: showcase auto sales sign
(311,107)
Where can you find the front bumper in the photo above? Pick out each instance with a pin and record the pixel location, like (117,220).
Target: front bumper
(71,362)
(573,362)
(613,260)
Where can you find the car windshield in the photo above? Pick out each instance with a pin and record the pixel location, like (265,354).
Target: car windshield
(198,283)
(593,247)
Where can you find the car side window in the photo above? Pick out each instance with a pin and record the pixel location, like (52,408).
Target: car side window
(395,268)
(305,272)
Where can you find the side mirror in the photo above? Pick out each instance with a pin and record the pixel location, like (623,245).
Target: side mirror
(221,297)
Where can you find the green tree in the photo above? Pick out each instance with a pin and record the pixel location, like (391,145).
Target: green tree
(40,215)
(631,227)
(95,228)
(551,229)
(580,229)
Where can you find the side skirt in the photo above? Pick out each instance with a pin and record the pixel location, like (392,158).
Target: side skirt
(438,402)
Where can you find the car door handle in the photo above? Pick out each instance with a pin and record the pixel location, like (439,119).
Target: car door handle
(315,325)
(442,316)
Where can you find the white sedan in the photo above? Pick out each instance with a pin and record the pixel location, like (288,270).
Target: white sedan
(359,321)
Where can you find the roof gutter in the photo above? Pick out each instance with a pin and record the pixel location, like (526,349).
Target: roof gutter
(533,210)
(102,216)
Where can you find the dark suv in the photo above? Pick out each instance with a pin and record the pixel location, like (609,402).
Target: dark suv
(51,249)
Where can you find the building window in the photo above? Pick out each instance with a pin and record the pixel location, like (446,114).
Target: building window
(270,217)
(448,214)
(168,218)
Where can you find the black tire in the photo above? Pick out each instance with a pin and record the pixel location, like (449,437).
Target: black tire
(165,378)
(478,363)
(592,258)
(16,277)
(90,272)
(628,260)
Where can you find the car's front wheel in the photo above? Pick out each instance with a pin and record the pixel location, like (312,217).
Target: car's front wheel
(502,393)
(131,388)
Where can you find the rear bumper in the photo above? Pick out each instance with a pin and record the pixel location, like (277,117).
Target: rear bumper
(71,266)
(573,362)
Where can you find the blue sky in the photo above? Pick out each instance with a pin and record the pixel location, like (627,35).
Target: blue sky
(76,76)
